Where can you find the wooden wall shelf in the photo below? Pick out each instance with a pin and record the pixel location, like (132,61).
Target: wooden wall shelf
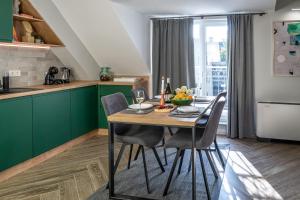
(29,45)
(24,18)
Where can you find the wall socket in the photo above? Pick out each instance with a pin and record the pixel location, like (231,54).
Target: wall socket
(14,73)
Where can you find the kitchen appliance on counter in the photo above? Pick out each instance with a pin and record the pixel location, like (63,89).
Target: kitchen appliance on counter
(66,74)
(53,71)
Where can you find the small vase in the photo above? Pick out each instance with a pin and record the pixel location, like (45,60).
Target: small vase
(105,74)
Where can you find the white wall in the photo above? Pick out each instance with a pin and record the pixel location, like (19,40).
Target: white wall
(137,26)
(267,86)
(74,54)
(97,25)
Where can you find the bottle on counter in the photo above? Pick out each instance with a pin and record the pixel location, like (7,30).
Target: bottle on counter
(5,81)
(162,91)
(168,92)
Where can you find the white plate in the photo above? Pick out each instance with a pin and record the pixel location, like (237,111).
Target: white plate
(157,96)
(188,109)
(144,106)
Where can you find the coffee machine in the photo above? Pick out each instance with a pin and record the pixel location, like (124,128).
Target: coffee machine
(50,76)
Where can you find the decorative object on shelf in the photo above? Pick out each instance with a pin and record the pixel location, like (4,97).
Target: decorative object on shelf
(27,32)
(105,74)
(15,35)
(183,96)
(286,48)
(16,7)
(37,38)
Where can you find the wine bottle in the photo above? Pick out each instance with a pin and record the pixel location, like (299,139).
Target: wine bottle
(162,91)
(168,92)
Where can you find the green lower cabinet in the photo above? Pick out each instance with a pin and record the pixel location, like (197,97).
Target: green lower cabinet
(51,121)
(6,20)
(83,110)
(104,90)
(16,131)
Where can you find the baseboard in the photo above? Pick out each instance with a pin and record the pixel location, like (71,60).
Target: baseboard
(8,173)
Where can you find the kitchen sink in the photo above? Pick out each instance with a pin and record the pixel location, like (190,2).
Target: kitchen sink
(18,90)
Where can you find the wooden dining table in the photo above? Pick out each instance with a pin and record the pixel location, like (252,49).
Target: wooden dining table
(154,119)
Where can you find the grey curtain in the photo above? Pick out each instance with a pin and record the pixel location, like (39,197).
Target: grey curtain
(241,76)
(173,52)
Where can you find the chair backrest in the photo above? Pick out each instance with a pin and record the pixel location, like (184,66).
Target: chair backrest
(219,96)
(134,94)
(211,128)
(115,103)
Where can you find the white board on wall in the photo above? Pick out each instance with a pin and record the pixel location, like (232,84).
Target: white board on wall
(286,61)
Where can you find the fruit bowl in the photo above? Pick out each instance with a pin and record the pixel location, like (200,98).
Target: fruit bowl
(181,102)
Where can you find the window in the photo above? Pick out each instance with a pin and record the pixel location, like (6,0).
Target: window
(210,43)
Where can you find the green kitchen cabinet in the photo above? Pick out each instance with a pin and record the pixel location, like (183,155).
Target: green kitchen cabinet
(83,110)
(15,131)
(6,20)
(51,120)
(104,90)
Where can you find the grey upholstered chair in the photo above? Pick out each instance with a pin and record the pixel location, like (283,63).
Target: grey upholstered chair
(145,136)
(182,140)
(134,95)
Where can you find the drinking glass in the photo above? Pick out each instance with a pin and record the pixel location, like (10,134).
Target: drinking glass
(140,97)
(196,93)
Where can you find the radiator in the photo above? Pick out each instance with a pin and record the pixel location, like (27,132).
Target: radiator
(276,120)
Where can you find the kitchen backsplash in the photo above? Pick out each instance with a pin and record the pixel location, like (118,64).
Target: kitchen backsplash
(33,63)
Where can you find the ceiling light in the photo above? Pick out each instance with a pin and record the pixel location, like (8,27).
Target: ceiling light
(295,9)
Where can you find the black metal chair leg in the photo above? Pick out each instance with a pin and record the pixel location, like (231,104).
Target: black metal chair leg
(211,164)
(165,151)
(170,131)
(172,172)
(158,159)
(190,164)
(204,175)
(137,153)
(181,161)
(145,169)
(130,153)
(118,160)
(219,153)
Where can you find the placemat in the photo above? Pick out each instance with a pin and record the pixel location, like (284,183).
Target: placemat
(135,112)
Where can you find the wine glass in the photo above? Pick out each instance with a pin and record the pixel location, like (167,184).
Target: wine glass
(196,93)
(140,97)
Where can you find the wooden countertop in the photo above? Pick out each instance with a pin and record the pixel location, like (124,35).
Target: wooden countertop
(53,88)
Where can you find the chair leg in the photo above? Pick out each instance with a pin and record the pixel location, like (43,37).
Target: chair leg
(181,161)
(158,160)
(165,151)
(130,153)
(219,153)
(145,169)
(190,164)
(118,160)
(211,164)
(137,153)
(172,172)
(170,131)
(204,175)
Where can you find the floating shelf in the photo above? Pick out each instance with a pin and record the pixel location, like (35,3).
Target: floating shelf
(29,45)
(24,18)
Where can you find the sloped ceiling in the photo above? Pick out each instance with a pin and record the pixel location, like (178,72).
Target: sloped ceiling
(99,28)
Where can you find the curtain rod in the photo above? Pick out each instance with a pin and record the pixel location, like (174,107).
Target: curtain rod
(212,15)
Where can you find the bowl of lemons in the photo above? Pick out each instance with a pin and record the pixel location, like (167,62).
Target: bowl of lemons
(183,97)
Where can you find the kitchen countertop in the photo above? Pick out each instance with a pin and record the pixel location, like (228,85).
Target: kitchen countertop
(67,86)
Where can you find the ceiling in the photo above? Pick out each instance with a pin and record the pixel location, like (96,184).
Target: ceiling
(194,7)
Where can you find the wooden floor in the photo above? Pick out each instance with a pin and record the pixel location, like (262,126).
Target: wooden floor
(255,170)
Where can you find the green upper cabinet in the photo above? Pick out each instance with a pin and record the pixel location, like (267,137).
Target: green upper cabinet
(15,131)
(51,120)
(6,20)
(104,90)
(83,110)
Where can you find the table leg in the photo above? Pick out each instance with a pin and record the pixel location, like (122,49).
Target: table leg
(193,164)
(111,159)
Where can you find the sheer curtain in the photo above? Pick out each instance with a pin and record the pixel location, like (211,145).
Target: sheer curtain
(241,76)
(173,52)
